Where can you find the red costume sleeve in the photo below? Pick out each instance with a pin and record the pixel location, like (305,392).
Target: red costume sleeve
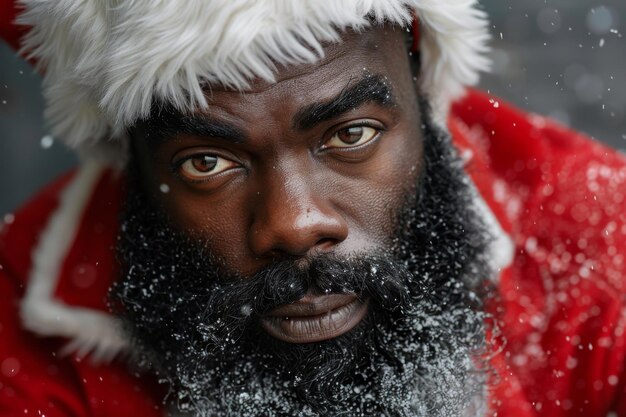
(563,304)
(33,380)
(36,381)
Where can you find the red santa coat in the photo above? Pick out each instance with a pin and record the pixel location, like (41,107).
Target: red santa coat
(557,196)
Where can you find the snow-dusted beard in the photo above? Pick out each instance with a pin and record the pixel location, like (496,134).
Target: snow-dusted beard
(417,352)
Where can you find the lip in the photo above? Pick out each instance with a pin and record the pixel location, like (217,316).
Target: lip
(315,318)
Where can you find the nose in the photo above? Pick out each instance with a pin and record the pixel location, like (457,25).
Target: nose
(291,219)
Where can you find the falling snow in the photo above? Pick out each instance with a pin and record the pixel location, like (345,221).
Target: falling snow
(47,141)
(560,291)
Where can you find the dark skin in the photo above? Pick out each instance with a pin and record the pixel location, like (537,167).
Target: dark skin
(318,161)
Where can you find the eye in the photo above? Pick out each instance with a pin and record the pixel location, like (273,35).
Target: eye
(351,137)
(200,167)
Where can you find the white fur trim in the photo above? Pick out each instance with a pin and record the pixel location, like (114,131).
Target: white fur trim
(501,247)
(89,331)
(501,250)
(105,62)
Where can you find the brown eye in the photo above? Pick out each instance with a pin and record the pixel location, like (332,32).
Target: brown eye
(352,137)
(204,163)
(203,166)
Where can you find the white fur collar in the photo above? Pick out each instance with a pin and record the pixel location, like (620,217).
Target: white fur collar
(90,332)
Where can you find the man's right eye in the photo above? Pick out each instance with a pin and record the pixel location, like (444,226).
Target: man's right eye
(352,137)
(201,167)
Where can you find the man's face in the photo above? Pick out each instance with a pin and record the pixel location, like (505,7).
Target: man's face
(328,191)
(317,162)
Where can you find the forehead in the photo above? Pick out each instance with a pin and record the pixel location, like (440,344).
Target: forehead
(380,50)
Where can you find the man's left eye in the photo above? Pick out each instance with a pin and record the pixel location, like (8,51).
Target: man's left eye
(351,137)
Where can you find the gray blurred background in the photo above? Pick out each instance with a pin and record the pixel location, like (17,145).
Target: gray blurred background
(562,58)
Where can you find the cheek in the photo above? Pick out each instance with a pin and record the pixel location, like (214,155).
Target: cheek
(372,201)
(221,221)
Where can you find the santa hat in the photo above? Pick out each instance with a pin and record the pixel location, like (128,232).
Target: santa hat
(105,62)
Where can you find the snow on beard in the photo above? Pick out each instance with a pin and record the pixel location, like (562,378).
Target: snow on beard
(416,353)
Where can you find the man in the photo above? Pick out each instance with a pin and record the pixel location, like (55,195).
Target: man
(271,218)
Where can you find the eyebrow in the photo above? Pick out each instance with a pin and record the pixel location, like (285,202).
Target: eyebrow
(166,123)
(369,89)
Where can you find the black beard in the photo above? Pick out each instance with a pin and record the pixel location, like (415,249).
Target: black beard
(417,352)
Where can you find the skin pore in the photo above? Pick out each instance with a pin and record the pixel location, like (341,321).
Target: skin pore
(316,162)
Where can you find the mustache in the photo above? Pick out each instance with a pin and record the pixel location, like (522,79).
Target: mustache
(367,276)
(239,301)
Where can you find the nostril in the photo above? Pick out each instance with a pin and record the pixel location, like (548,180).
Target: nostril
(322,245)
(326,243)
